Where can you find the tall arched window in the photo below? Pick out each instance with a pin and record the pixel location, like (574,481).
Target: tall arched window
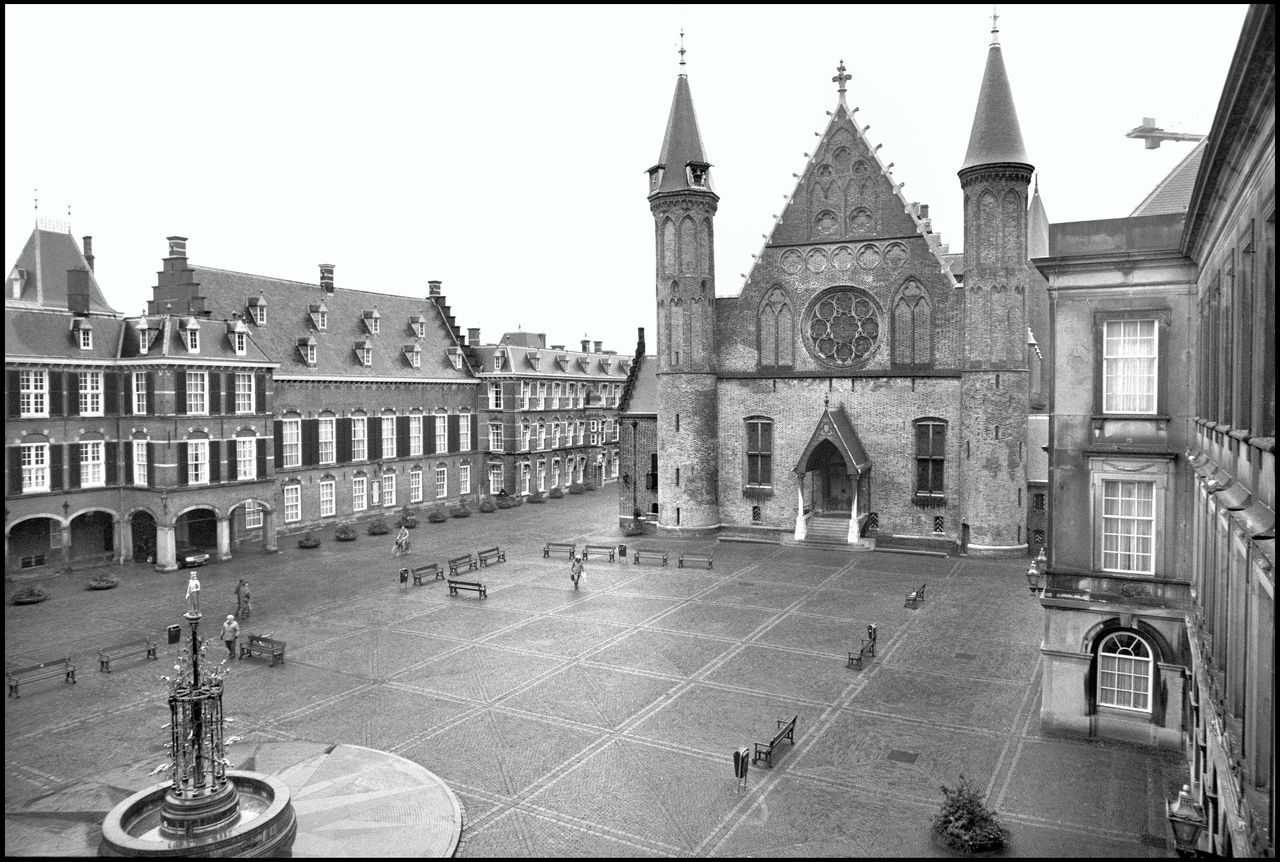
(777,341)
(759,450)
(1124,672)
(912,326)
(931,450)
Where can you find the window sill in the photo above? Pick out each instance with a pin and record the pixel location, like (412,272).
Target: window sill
(757,492)
(929,501)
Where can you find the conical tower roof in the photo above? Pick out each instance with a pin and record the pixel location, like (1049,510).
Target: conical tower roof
(1037,226)
(682,142)
(996,136)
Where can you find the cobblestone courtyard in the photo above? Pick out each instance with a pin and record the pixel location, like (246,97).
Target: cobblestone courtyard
(602,722)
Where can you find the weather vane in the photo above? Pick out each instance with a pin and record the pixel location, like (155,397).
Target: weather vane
(995,30)
(681,51)
(841,79)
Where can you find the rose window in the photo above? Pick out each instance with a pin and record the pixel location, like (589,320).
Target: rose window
(843,327)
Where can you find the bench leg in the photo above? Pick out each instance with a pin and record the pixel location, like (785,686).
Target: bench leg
(71,677)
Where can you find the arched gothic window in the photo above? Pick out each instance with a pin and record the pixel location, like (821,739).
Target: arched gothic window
(912,326)
(1124,672)
(776,330)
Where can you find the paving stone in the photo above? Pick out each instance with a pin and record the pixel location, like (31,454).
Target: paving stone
(661,652)
(787,674)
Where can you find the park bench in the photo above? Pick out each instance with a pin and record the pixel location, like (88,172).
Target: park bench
(145,647)
(650,555)
(764,750)
(702,559)
(569,548)
(868,647)
(915,597)
(473,586)
(492,555)
(45,670)
(467,561)
(421,573)
(598,549)
(263,645)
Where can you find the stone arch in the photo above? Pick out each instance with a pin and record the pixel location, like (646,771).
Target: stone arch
(34,516)
(33,541)
(1161,652)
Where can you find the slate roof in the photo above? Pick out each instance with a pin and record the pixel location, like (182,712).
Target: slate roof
(996,136)
(1173,193)
(643,397)
(289,320)
(682,142)
(47,334)
(518,361)
(46,258)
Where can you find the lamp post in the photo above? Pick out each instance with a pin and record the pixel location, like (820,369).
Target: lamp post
(1035,572)
(1186,818)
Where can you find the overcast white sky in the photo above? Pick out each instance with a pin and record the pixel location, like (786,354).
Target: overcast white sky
(503,149)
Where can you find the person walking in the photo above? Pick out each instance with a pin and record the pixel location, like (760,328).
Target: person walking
(230,631)
(402,542)
(242,593)
(404,580)
(575,570)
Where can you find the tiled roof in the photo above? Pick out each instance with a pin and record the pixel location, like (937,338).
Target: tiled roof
(48,335)
(644,393)
(682,142)
(289,321)
(996,136)
(1173,193)
(576,364)
(46,258)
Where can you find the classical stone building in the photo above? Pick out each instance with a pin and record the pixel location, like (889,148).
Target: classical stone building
(863,385)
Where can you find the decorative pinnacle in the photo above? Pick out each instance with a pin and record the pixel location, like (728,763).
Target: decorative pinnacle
(841,79)
(995,29)
(681,51)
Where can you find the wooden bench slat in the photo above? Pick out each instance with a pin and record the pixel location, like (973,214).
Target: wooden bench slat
(570,547)
(473,586)
(492,555)
(106,655)
(44,670)
(263,644)
(423,571)
(601,549)
(650,554)
(705,559)
(764,750)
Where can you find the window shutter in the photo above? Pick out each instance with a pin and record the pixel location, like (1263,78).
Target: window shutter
(151,393)
(262,457)
(279,450)
(373,430)
(180,392)
(215,392)
(55,467)
(182,463)
(113,463)
(129,390)
(342,430)
(452,432)
(151,464)
(13,381)
(215,461)
(73,393)
(260,392)
(111,393)
(310,442)
(57,407)
(429,433)
(15,467)
(475,432)
(73,465)
(402,436)
(229,393)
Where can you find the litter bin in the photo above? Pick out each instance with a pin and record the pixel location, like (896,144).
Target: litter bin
(622,553)
(175,632)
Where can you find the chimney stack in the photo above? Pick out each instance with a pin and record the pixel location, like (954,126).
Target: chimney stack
(586,346)
(433,288)
(923,212)
(473,336)
(640,341)
(177,246)
(326,277)
(78,291)
(597,345)
(88,251)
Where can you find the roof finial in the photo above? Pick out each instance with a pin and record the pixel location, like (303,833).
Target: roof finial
(826,401)
(36,193)
(841,79)
(681,51)
(995,29)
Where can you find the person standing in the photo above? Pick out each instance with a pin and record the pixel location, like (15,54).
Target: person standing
(404,580)
(230,631)
(575,570)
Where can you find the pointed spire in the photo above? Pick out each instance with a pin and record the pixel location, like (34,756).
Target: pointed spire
(840,80)
(996,136)
(1037,226)
(681,51)
(995,29)
(683,161)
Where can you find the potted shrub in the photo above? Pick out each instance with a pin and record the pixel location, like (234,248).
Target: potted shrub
(437,515)
(556,493)
(345,533)
(460,511)
(577,488)
(378,526)
(309,540)
(407,519)
(537,497)
(505,503)
(28,595)
(634,527)
(487,506)
(965,824)
(589,487)
(102,582)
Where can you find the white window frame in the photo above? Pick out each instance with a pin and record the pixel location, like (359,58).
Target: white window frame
(555,434)
(388,489)
(34,398)
(140,405)
(366,357)
(311,354)
(197,462)
(197,393)
(139,461)
(86,338)
(496,443)
(1128,526)
(525,432)
(327,438)
(542,434)
(442,482)
(260,314)
(291,435)
(415,434)
(90,393)
(415,485)
(464,478)
(542,474)
(322,320)
(1130,366)
(415,357)
(35,468)
(252,516)
(328,498)
(292,503)
(555,472)
(359,438)
(246,459)
(240,342)
(495,478)
(495,395)
(359,493)
(419,329)
(388,436)
(524,477)
(1117,529)
(93,464)
(244,392)
(193,340)
(1125,676)
(442,430)
(464,430)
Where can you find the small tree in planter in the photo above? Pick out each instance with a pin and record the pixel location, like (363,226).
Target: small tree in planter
(537,497)
(407,519)
(556,493)
(964,823)
(505,503)
(102,582)
(378,526)
(577,488)
(634,527)
(309,540)
(487,506)
(28,595)
(437,515)
(345,533)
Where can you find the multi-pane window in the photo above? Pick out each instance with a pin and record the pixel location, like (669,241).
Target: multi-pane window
(139,462)
(197,393)
(375,325)
(252,516)
(322,319)
(524,477)
(419,329)
(292,503)
(193,340)
(415,434)
(328,447)
(359,494)
(524,434)
(140,393)
(359,438)
(614,425)
(246,458)
(555,435)
(86,339)
(197,462)
(442,430)
(388,436)
(92,465)
(1128,526)
(595,432)
(90,393)
(442,482)
(34,389)
(366,356)
(464,431)
(244,392)
(260,314)
(931,448)
(555,472)
(240,341)
(1129,362)
(328,498)
(495,396)
(415,485)
(759,451)
(35,467)
(291,433)
(310,350)
(525,389)
(389,489)
(542,435)
(542,474)
(464,478)
(495,436)
(582,431)
(1124,672)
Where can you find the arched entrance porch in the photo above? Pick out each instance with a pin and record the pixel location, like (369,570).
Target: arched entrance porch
(833,482)
(142,532)
(92,539)
(34,543)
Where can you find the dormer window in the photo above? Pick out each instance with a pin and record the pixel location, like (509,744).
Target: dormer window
(17,282)
(655,177)
(258,309)
(455,358)
(698,173)
(193,340)
(307,350)
(84,334)
(497,362)
(364,350)
(534,358)
(240,341)
(413,353)
(144,335)
(419,325)
(372,321)
(320,316)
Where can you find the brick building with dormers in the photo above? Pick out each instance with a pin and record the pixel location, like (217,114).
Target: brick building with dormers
(127,437)
(550,412)
(855,390)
